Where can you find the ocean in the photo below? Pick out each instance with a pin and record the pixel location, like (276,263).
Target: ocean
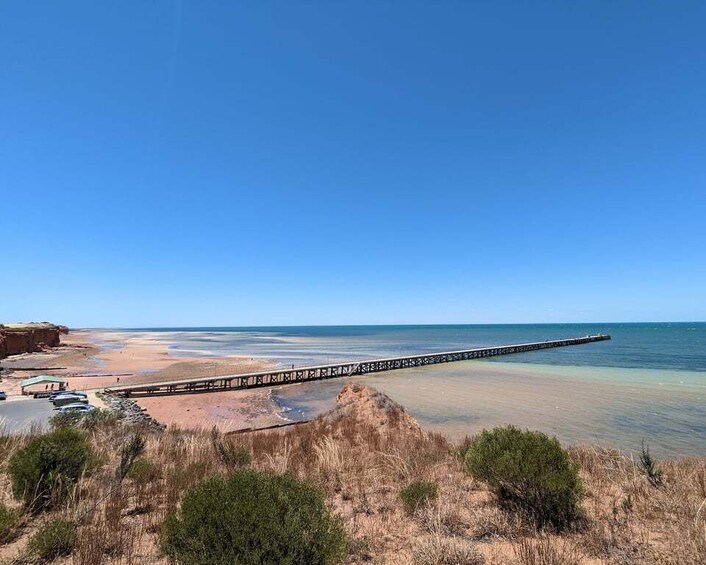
(647,384)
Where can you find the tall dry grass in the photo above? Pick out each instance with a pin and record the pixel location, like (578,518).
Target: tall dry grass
(362,466)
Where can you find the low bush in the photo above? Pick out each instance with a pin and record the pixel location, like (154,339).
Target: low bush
(43,471)
(53,539)
(143,471)
(418,494)
(9,518)
(529,472)
(252,518)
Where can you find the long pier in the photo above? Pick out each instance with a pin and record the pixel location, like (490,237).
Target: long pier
(348,369)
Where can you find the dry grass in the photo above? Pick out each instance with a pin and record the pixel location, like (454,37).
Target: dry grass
(544,550)
(362,465)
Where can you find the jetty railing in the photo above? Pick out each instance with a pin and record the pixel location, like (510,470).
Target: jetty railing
(281,376)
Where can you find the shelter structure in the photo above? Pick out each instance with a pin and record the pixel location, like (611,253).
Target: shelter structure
(42,382)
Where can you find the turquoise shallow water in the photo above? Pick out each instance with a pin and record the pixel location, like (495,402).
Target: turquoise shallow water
(648,382)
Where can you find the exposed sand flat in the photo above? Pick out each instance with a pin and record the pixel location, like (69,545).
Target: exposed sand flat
(93,359)
(228,411)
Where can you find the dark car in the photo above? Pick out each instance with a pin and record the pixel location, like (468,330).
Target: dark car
(3,396)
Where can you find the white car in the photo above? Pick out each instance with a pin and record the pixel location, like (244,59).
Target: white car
(65,399)
(77,407)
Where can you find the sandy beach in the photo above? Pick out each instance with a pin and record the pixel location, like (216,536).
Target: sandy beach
(93,359)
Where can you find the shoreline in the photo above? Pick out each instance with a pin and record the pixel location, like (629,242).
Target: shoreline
(90,360)
(578,404)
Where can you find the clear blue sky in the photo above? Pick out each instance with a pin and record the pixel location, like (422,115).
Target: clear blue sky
(250,163)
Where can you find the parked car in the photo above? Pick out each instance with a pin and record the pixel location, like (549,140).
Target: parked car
(3,396)
(64,399)
(76,407)
(53,394)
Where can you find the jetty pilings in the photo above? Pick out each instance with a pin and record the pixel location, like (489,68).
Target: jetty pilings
(280,376)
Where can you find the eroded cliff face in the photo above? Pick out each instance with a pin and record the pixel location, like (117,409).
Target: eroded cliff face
(370,407)
(27,338)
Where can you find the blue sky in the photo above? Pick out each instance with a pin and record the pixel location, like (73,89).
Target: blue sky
(251,163)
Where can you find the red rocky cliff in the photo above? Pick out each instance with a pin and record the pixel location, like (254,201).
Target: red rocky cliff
(26,338)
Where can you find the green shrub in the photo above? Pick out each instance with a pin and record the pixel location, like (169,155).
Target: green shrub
(44,470)
(143,471)
(53,539)
(8,520)
(250,518)
(529,472)
(418,494)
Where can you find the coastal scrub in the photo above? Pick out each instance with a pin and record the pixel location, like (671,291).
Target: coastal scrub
(529,472)
(253,518)
(9,518)
(54,539)
(44,471)
(418,494)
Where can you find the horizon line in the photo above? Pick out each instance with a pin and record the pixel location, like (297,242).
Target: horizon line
(436,324)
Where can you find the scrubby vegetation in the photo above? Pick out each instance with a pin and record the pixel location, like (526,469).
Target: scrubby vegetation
(359,459)
(9,517)
(143,471)
(529,472)
(53,539)
(418,494)
(44,471)
(253,518)
(84,420)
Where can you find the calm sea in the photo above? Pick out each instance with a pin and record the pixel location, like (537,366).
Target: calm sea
(648,382)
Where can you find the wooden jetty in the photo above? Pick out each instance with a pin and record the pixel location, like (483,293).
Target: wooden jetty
(348,369)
